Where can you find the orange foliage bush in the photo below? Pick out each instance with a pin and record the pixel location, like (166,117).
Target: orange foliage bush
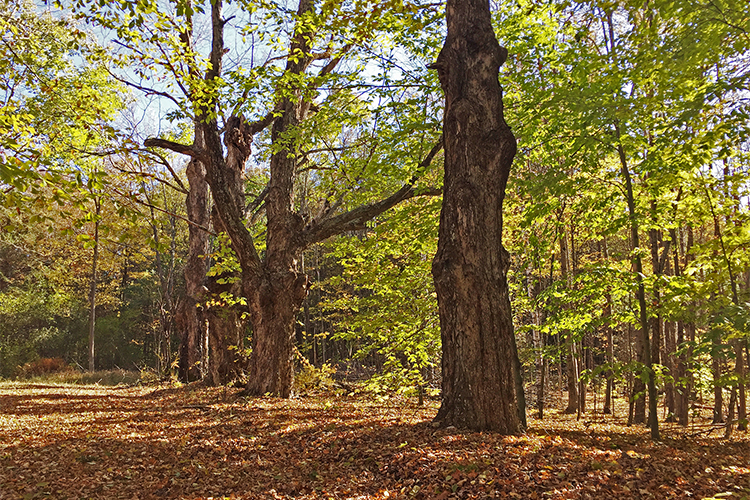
(43,366)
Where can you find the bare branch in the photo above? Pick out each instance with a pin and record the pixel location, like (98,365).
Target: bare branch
(427,161)
(146,90)
(159,209)
(135,173)
(162,160)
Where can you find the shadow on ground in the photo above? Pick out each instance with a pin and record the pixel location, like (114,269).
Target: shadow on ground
(197,443)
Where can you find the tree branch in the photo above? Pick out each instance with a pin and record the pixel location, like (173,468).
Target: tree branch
(252,206)
(163,210)
(259,125)
(168,166)
(135,173)
(318,231)
(356,218)
(184,149)
(334,62)
(146,90)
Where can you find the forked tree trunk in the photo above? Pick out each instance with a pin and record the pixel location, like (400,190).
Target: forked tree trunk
(273,288)
(275,295)
(471,264)
(226,327)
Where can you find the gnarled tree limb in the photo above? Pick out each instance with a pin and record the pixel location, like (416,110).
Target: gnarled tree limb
(192,151)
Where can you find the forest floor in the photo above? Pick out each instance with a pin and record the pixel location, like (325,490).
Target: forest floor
(196,443)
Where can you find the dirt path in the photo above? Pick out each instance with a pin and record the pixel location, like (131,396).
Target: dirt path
(142,443)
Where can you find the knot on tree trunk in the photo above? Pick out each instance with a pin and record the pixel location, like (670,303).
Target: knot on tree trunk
(238,135)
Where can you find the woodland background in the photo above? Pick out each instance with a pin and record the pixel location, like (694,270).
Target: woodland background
(612,102)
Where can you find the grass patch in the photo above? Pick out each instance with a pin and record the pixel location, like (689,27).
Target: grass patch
(103,377)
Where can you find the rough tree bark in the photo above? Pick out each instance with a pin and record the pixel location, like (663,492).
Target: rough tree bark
(471,264)
(227,361)
(190,320)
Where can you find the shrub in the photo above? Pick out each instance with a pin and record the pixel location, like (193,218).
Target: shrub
(43,366)
(314,379)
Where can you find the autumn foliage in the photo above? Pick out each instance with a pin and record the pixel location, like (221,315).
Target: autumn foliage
(194,443)
(43,366)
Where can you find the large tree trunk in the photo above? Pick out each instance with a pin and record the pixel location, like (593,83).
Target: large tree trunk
(471,264)
(226,362)
(274,304)
(276,295)
(226,328)
(190,318)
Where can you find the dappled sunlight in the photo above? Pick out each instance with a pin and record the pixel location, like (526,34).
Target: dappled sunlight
(199,443)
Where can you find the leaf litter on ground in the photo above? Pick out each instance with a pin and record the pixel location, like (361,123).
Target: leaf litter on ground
(70,442)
